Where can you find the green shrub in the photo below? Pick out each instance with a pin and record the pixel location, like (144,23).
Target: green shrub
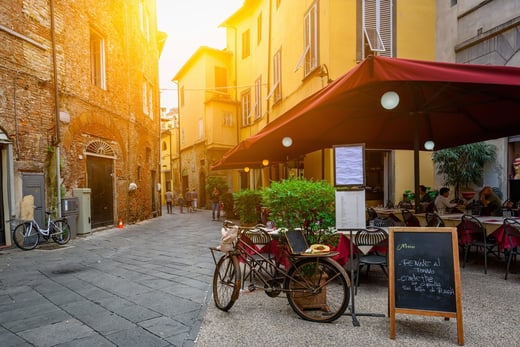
(247,205)
(299,203)
(229,206)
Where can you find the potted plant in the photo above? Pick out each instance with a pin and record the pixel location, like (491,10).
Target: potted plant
(463,166)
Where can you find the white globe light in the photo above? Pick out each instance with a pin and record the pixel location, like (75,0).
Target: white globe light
(390,100)
(429,145)
(287,141)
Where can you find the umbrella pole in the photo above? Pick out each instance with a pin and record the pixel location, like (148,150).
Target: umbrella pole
(416,161)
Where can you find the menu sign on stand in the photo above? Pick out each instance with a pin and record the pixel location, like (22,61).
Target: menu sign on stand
(424,275)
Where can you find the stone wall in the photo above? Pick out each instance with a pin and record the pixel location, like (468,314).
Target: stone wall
(87,113)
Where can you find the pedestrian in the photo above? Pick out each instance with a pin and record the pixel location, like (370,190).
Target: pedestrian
(187,200)
(169,201)
(215,203)
(194,199)
(180,201)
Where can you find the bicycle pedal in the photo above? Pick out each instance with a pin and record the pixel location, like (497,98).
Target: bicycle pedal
(251,287)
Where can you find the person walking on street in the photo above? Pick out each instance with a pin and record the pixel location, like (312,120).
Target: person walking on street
(169,201)
(215,203)
(187,200)
(194,199)
(181,203)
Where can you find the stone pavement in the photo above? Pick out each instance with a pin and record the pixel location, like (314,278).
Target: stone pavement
(148,284)
(144,285)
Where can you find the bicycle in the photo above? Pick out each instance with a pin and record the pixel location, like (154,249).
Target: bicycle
(316,286)
(27,234)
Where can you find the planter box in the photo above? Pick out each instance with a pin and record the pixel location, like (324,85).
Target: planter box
(307,301)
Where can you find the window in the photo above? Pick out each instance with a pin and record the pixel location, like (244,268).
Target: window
(148,98)
(259,29)
(258,98)
(220,79)
(144,20)
(245,44)
(164,146)
(245,102)
(276,89)
(201,128)
(309,57)
(228,119)
(377,27)
(97,60)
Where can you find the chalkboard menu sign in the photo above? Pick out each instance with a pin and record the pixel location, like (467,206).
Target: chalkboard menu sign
(424,276)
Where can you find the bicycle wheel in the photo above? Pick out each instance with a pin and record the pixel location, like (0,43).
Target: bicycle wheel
(318,289)
(26,236)
(226,282)
(61,231)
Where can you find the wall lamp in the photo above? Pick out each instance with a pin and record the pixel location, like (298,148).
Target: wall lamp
(324,72)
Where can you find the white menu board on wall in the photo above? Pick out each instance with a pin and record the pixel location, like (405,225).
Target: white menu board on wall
(349,165)
(350,209)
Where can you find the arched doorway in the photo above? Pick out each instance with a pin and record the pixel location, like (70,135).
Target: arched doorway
(100,179)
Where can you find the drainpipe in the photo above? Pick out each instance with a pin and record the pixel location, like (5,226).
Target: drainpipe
(269,28)
(56,109)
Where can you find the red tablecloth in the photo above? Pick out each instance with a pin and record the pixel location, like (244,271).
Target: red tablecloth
(343,248)
(499,235)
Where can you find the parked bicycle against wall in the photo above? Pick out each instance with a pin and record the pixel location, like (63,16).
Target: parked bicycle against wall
(27,235)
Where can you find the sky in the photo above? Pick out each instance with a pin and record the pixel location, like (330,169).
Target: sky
(189,25)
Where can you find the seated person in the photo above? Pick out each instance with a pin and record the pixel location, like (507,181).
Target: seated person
(491,204)
(442,202)
(425,200)
(423,195)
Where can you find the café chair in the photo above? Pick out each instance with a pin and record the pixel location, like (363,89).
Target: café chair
(260,241)
(410,220)
(404,205)
(376,240)
(512,234)
(434,220)
(474,235)
(384,222)
(507,209)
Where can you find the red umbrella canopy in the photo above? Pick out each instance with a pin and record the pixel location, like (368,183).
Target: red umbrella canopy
(450,104)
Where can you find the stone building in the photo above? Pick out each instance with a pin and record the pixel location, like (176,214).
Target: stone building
(79,107)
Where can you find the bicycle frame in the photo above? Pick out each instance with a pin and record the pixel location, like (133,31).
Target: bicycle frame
(44,232)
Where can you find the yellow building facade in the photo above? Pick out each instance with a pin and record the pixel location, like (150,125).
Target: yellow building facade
(280,52)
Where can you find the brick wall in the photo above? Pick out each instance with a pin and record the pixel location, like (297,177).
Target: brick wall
(114,116)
